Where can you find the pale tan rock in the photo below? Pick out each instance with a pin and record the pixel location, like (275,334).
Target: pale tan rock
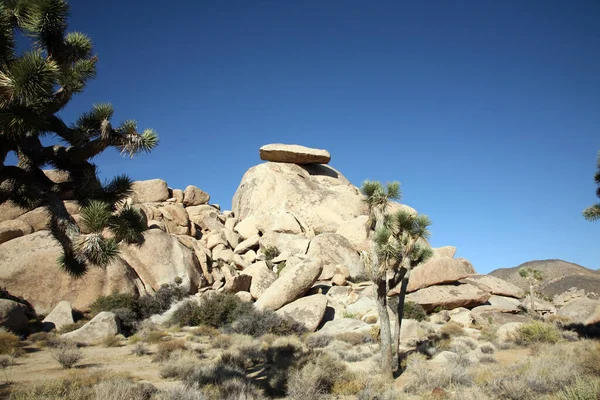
(249,244)
(277,187)
(505,304)
(293,153)
(102,325)
(154,224)
(223,254)
(239,283)
(333,250)
(214,239)
(292,244)
(9,210)
(541,306)
(39,218)
(461,316)
(161,259)
(486,316)
(506,332)
(262,278)
(495,286)
(231,222)
(244,296)
(32,258)
(150,191)
(339,280)
(308,311)
(176,219)
(356,233)
(449,296)
(13,229)
(291,284)
(239,262)
(438,271)
(281,222)
(582,310)
(247,227)
(233,239)
(60,316)
(178,196)
(249,257)
(193,196)
(445,251)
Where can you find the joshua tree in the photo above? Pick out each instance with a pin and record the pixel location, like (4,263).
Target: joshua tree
(394,251)
(34,86)
(533,277)
(592,213)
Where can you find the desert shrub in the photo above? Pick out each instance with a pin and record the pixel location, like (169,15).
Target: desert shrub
(204,330)
(487,358)
(569,336)
(280,267)
(414,311)
(587,354)
(9,343)
(376,387)
(112,341)
(221,342)
(112,302)
(452,329)
(72,327)
(140,350)
(271,252)
(216,311)
(510,387)
(487,348)
(587,388)
(6,362)
(488,334)
(154,336)
(317,341)
(178,365)
(552,369)
(537,332)
(257,323)
(67,355)
(160,302)
(181,393)
(465,341)
(188,314)
(354,338)
(353,355)
(123,389)
(423,379)
(166,348)
(234,389)
(316,378)
(129,320)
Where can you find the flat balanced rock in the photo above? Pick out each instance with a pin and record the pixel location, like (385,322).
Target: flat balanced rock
(293,153)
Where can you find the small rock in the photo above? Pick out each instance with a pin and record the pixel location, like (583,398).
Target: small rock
(102,325)
(193,196)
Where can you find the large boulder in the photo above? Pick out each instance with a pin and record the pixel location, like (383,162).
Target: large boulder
(505,304)
(238,283)
(150,191)
(438,271)
(308,311)
(38,218)
(13,316)
(449,296)
(293,282)
(582,310)
(491,316)
(293,153)
(61,315)
(176,219)
(9,210)
(356,233)
(13,229)
(262,278)
(28,269)
(193,196)
(316,194)
(444,251)
(540,305)
(162,258)
(102,325)
(341,325)
(333,250)
(495,286)
(507,331)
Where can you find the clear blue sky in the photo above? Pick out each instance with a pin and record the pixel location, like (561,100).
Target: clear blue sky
(487,112)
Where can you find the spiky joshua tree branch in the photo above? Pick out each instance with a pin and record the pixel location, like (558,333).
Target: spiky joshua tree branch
(34,87)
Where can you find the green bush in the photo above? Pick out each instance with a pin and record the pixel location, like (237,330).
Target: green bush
(583,389)
(113,302)
(271,252)
(216,310)
(258,323)
(537,332)
(414,311)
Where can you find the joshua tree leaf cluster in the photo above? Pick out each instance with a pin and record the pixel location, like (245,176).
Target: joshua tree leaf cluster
(35,85)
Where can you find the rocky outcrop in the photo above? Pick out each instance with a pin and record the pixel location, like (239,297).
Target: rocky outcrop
(582,311)
(61,315)
(13,229)
(13,316)
(293,153)
(495,286)
(317,195)
(293,282)
(449,296)
(150,191)
(193,196)
(439,270)
(102,325)
(333,250)
(308,311)
(262,278)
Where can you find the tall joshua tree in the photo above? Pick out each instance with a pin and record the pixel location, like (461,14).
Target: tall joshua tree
(34,87)
(533,277)
(395,250)
(592,213)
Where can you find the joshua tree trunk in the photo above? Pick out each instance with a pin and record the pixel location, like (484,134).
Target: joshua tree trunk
(399,315)
(384,323)
(532,310)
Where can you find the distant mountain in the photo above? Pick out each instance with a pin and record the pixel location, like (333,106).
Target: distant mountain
(559,276)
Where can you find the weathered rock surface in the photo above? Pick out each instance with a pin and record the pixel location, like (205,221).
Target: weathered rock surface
(102,325)
(356,233)
(461,316)
(334,250)
(176,219)
(495,286)
(293,153)
(9,210)
(262,278)
(293,282)
(491,316)
(308,310)
(31,260)
(444,251)
(505,304)
(13,316)
(573,293)
(38,218)
(582,310)
(13,229)
(238,283)
(61,315)
(506,332)
(161,259)
(438,271)
(193,196)
(150,191)
(316,194)
(540,305)
(449,296)
(341,325)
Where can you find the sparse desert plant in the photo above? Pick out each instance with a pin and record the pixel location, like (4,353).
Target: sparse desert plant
(537,332)
(487,348)
(72,327)
(452,329)
(354,338)
(123,389)
(216,310)
(271,252)
(466,341)
(423,378)
(414,311)
(487,358)
(113,301)
(67,355)
(154,336)
(5,363)
(488,333)
(10,343)
(204,330)
(166,348)
(257,323)
(112,341)
(178,365)
(181,393)
(569,336)
(139,349)
(587,354)
(317,341)
(316,378)
(233,389)
(587,388)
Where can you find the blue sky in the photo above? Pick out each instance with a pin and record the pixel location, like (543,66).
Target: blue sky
(487,112)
